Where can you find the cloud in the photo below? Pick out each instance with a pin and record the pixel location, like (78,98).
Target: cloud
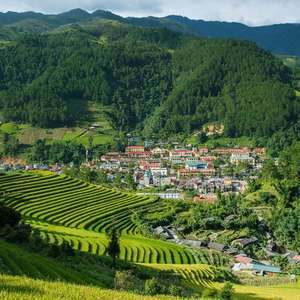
(253,12)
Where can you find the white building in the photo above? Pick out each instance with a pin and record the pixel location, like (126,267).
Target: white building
(237,158)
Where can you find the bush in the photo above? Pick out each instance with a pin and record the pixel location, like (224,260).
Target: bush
(67,249)
(175,290)
(209,293)
(9,216)
(227,291)
(54,251)
(124,280)
(36,241)
(19,234)
(152,287)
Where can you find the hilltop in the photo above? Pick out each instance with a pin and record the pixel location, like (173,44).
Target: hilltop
(278,38)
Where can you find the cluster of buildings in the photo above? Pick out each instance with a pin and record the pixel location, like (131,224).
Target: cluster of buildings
(183,168)
(14,164)
(171,170)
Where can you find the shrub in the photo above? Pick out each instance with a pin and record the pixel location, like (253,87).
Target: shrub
(67,249)
(9,216)
(36,241)
(19,234)
(209,293)
(124,280)
(227,291)
(152,286)
(175,290)
(54,251)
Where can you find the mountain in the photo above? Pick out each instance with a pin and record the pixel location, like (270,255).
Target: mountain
(144,76)
(279,39)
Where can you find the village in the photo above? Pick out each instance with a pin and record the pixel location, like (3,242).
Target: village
(191,173)
(169,173)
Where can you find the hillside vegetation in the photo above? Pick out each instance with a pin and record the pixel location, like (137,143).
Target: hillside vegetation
(23,288)
(144,79)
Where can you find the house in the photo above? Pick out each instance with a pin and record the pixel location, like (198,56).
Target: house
(293,257)
(159,180)
(196,165)
(237,158)
(139,154)
(146,165)
(109,166)
(159,171)
(186,172)
(244,242)
(148,179)
(159,151)
(243,258)
(259,151)
(256,267)
(192,243)
(203,150)
(179,153)
(166,232)
(217,246)
(170,195)
(134,149)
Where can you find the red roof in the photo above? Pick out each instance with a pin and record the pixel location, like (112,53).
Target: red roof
(243,259)
(139,153)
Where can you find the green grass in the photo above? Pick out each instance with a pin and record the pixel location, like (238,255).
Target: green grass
(282,292)
(17,261)
(10,128)
(24,288)
(298,93)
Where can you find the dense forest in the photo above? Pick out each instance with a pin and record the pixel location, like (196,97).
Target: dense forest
(155,80)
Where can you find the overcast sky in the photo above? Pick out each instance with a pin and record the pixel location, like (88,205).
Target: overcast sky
(251,12)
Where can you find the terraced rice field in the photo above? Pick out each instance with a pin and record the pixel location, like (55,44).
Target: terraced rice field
(195,274)
(14,260)
(66,209)
(73,203)
(133,248)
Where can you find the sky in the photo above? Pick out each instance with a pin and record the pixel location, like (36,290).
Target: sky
(250,12)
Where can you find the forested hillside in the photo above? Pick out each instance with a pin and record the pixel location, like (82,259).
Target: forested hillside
(154,80)
(280,38)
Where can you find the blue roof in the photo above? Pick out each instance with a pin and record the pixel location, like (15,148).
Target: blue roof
(196,164)
(266,268)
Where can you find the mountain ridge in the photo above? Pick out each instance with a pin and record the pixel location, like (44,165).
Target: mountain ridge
(277,38)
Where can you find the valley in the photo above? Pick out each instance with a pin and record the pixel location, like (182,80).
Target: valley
(148,158)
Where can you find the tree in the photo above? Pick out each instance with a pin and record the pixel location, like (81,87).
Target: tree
(8,216)
(10,145)
(129,180)
(113,248)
